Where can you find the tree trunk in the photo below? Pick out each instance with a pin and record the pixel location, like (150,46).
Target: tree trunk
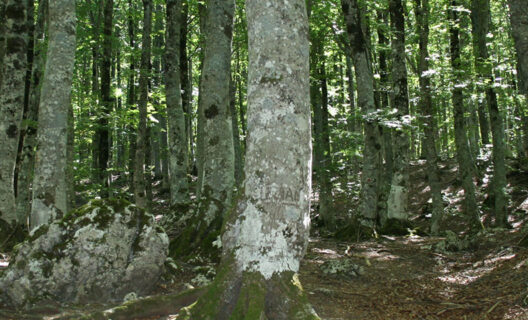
(397,204)
(177,137)
(465,165)
(267,235)
(50,191)
(481,19)
(3,4)
(12,88)
(186,84)
(103,130)
(28,139)
(428,114)
(351,119)
(140,188)
(386,132)
(131,94)
(217,150)
(519,22)
(370,178)
(239,174)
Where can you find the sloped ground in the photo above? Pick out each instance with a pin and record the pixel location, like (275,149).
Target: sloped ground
(399,278)
(407,280)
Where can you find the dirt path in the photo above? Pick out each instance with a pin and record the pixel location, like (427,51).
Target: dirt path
(406,279)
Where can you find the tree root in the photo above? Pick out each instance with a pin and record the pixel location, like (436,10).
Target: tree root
(148,307)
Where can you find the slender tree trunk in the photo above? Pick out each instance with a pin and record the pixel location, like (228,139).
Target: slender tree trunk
(50,187)
(239,174)
(3,4)
(351,119)
(131,94)
(140,188)
(370,178)
(428,114)
(481,19)
(465,164)
(258,272)
(95,19)
(185,78)
(29,140)
(106,99)
(386,132)
(397,204)
(217,150)
(12,88)
(519,22)
(177,137)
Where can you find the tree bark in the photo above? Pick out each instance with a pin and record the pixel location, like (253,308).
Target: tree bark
(266,236)
(186,80)
(50,187)
(465,165)
(177,137)
(239,174)
(140,188)
(429,114)
(481,20)
(217,150)
(3,4)
(519,23)
(28,138)
(12,88)
(103,130)
(397,204)
(370,178)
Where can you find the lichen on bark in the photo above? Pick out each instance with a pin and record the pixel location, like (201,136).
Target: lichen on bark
(266,235)
(12,84)
(49,183)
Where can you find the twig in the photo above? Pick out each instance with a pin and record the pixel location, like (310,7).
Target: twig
(494,306)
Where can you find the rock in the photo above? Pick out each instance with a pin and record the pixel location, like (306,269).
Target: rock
(342,267)
(98,253)
(451,243)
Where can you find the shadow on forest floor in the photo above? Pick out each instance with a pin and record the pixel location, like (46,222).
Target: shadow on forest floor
(402,278)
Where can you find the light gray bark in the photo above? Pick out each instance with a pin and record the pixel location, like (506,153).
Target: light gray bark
(29,136)
(267,236)
(397,203)
(177,137)
(12,87)
(218,151)
(216,163)
(140,188)
(370,178)
(49,185)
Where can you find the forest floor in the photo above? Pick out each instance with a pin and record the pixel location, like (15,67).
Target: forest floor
(400,277)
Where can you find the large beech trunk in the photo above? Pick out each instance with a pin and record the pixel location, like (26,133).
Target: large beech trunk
(177,137)
(12,87)
(267,233)
(216,158)
(50,191)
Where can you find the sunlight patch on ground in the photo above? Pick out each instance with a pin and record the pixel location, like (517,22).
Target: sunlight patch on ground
(480,269)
